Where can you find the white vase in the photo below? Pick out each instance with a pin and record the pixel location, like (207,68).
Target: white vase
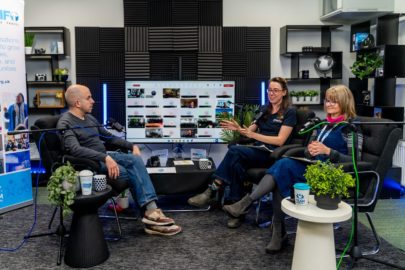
(28,50)
(123,202)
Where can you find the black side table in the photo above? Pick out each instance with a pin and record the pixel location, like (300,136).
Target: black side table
(86,246)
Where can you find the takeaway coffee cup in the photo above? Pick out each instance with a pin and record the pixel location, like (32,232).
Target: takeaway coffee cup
(86,181)
(99,182)
(301,193)
(204,164)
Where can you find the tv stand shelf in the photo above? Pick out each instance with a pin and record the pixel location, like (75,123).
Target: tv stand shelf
(188,179)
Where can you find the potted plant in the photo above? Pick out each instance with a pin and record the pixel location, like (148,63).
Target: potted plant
(312,94)
(249,112)
(61,74)
(28,42)
(329,183)
(62,187)
(123,199)
(294,97)
(365,64)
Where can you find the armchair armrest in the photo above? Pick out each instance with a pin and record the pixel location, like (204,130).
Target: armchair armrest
(296,152)
(361,166)
(280,151)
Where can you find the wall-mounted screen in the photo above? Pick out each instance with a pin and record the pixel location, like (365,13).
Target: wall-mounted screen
(177,111)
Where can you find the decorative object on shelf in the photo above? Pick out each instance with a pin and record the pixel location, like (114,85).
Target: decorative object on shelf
(62,187)
(323,64)
(315,49)
(40,51)
(28,41)
(327,180)
(60,74)
(249,111)
(305,74)
(362,41)
(40,77)
(366,97)
(365,64)
(305,97)
(49,98)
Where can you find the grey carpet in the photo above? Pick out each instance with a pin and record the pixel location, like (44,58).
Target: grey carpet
(205,243)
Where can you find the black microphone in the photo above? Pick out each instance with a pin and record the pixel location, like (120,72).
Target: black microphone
(310,123)
(259,115)
(234,104)
(115,125)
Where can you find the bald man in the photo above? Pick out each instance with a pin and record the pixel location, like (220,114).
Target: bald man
(88,142)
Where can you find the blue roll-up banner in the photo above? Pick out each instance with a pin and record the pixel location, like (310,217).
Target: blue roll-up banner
(15,167)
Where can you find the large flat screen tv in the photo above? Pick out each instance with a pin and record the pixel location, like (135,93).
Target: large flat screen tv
(177,111)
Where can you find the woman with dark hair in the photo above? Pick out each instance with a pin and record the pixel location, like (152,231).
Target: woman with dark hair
(330,142)
(16,113)
(272,130)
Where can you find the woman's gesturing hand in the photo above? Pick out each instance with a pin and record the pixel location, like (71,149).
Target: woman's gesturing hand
(230,125)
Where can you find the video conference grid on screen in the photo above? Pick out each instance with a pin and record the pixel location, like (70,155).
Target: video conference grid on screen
(177,111)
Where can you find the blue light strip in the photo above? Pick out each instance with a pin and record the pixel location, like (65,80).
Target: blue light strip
(263,92)
(104,103)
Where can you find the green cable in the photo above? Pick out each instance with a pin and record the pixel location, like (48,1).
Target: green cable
(312,128)
(357,194)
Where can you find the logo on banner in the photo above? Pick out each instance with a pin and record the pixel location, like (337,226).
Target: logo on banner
(9,17)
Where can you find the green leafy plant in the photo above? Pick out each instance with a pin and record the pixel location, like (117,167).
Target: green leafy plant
(61,71)
(249,113)
(60,74)
(365,64)
(61,187)
(29,39)
(311,93)
(327,179)
(294,94)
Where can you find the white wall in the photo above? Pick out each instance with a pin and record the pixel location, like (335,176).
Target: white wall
(72,13)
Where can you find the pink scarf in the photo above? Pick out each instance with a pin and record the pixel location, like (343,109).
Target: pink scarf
(335,120)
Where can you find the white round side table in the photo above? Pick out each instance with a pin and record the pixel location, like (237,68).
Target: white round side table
(314,243)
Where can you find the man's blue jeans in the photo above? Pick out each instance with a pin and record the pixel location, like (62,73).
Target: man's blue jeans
(133,169)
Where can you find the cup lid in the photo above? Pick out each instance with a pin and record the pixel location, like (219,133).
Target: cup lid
(302,186)
(86,173)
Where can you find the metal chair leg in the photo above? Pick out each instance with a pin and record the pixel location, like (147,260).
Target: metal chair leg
(376,248)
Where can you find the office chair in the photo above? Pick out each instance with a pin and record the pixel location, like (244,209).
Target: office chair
(379,143)
(254,175)
(52,155)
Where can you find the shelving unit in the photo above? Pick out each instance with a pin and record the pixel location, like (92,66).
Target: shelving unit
(51,45)
(298,56)
(393,58)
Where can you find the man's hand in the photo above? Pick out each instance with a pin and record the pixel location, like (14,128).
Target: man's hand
(112,167)
(136,151)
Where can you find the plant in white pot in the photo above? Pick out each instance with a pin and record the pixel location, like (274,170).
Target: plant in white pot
(123,199)
(62,187)
(28,42)
(313,95)
(294,97)
(329,183)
